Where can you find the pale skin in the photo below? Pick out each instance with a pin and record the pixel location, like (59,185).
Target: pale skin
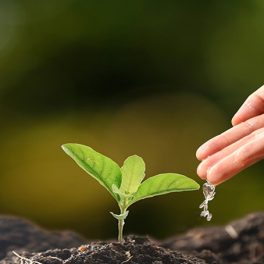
(227,154)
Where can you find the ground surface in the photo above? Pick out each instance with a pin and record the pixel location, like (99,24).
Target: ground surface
(18,233)
(241,241)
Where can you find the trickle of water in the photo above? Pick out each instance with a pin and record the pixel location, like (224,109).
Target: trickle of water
(209,193)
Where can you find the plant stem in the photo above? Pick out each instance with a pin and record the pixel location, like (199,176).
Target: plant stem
(121,221)
(121,224)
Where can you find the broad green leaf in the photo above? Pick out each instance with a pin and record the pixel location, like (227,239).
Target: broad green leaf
(133,173)
(162,184)
(100,167)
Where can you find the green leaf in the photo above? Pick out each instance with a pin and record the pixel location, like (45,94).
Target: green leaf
(133,173)
(100,167)
(162,184)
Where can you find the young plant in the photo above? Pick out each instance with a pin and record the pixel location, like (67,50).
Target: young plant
(125,183)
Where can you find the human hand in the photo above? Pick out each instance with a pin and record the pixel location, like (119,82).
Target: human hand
(225,155)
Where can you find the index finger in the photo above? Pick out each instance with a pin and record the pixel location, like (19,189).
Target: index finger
(229,137)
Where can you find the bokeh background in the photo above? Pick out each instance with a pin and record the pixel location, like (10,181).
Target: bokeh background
(153,78)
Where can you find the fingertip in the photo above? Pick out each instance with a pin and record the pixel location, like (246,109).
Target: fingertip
(214,176)
(213,181)
(201,172)
(201,152)
(235,121)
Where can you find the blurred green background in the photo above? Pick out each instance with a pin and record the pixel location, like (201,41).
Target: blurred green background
(153,78)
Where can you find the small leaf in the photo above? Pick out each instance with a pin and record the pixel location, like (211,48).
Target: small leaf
(120,216)
(133,173)
(122,195)
(162,184)
(100,167)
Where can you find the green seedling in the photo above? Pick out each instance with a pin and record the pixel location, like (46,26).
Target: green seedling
(125,183)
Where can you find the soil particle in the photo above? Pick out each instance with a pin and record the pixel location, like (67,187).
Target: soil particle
(17,233)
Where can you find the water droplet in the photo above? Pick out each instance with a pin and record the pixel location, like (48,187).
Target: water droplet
(209,193)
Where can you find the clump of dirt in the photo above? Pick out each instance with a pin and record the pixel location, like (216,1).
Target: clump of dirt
(17,233)
(134,250)
(240,241)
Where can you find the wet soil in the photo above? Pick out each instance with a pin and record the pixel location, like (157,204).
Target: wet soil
(240,242)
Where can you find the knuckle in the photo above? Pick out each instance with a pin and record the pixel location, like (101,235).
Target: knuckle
(223,137)
(241,156)
(249,124)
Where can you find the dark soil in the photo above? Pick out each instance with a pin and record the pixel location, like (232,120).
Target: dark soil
(240,242)
(17,233)
(133,251)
